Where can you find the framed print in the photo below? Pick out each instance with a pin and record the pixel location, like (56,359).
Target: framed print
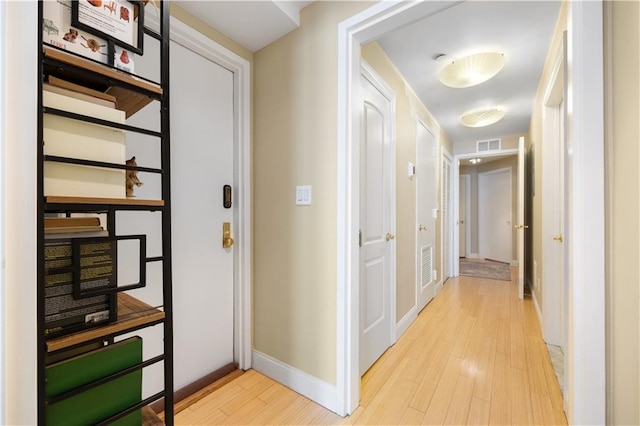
(119,21)
(57,31)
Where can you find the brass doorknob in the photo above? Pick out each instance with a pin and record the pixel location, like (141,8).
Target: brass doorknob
(558,238)
(521,226)
(389,236)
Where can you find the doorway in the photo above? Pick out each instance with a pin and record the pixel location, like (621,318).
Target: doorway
(494,215)
(587,312)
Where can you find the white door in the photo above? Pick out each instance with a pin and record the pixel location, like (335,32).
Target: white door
(446,219)
(494,215)
(201,163)
(463,214)
(377,259)
(521,227)
(426,202)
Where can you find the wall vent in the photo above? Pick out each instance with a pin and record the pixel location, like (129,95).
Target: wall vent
(489,145)
(426,260)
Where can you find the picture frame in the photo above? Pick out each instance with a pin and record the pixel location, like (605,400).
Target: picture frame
(120,22)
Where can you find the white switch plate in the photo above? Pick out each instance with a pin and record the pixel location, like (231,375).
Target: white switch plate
(303,195)
(434,213)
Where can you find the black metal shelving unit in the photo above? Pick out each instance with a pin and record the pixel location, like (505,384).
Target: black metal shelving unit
(53,62)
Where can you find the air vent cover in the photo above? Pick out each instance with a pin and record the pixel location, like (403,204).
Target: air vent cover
(426,275)
(489,145)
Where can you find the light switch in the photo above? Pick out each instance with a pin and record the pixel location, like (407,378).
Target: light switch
(303,195)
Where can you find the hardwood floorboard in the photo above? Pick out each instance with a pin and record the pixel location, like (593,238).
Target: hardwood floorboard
(474,355)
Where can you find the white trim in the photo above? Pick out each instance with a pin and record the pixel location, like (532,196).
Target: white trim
(551,120)
(538,311)
(438,286)
(467,216)
(379,84)
(3,107)
(19,108)
(508,170)
(452,268)
(586,373)
(406,321)
(305,384)
(240,67)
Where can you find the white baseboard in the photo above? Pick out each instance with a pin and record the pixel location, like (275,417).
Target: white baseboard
(473,256)
(538,311)
(438,288)
(514,263)
(406,321)
(317,390)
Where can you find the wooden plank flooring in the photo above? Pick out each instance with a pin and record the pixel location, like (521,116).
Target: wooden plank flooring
(475,355)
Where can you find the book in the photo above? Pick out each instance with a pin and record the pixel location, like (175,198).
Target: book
(80,96)
(66,137)
(100,402)
(64,225)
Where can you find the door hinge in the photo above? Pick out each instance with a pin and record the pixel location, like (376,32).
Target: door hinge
(360,238)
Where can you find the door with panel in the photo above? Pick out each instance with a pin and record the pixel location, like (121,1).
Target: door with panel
(202,162)
(494,215)
(377,242)
(426,205)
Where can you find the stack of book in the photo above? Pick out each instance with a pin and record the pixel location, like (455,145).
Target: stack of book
(69,138)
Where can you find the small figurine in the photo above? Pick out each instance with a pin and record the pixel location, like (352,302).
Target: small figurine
(132,177)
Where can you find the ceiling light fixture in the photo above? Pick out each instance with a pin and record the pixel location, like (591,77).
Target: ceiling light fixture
(475,160)
(482,118)
(471,70)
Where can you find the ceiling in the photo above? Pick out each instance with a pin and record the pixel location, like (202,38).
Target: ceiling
(251,23)
(522,30)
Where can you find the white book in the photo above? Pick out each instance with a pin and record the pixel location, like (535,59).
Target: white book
(66,137)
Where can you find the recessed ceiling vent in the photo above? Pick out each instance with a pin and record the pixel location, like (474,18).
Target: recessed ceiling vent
(488,145)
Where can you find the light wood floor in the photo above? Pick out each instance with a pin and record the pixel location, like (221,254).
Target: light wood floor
(475,355)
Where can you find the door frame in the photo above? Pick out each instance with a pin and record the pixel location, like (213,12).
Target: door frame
(368,73)
(241,69)
(467,214)
(551,300)
(456,205)
(585,399)
(452,212)
(508,170)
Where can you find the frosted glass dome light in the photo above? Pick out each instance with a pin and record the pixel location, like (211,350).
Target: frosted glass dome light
(472,70)
(482,118)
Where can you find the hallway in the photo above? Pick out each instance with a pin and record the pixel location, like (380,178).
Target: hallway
(475,355)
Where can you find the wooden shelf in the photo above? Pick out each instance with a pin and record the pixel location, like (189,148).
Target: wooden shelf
(103,201)
(126,100)
(132,313)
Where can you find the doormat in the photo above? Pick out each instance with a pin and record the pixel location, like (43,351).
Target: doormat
(488,270)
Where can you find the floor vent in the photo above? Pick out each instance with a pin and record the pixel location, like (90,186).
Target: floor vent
(426,257)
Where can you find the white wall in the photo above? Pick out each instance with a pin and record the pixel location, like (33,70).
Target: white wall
(18,150)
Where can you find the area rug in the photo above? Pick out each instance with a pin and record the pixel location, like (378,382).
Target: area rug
(489,270)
